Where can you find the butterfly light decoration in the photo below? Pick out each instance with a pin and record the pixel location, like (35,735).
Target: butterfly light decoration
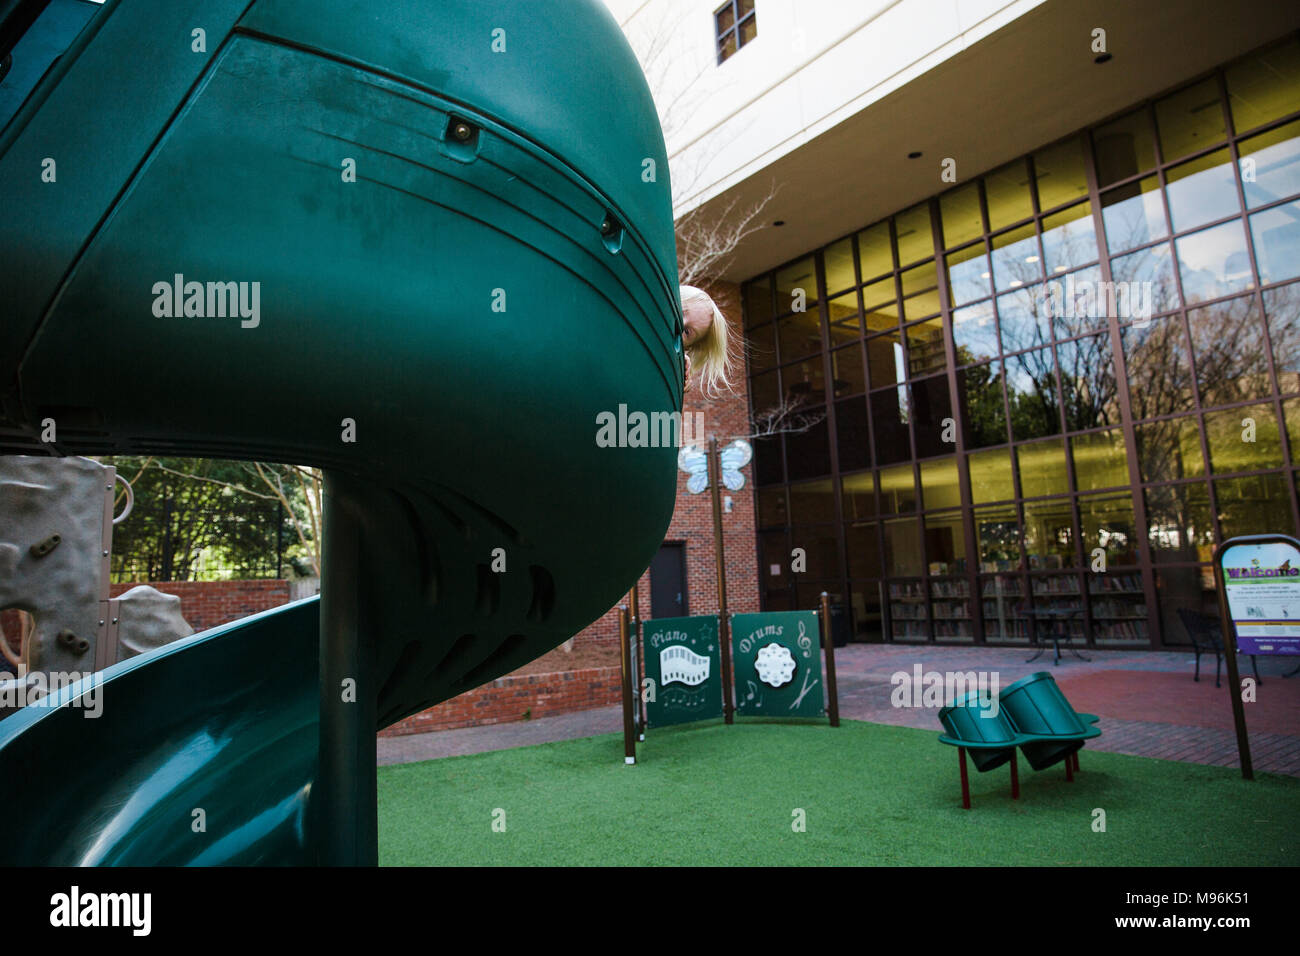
(694,460)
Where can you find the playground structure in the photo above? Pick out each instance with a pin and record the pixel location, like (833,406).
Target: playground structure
(419,245)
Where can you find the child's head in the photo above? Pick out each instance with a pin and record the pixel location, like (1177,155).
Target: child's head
(707,340)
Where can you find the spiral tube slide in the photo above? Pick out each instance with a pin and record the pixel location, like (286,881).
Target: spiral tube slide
(422,245)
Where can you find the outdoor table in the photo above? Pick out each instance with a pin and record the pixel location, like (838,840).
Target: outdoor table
(1055,616)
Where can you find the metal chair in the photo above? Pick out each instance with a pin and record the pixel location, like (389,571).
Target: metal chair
(1207,635)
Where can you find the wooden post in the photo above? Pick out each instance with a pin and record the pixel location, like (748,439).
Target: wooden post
(634,601)
(625,647)
(828,643)
(1229,633)
(724,620)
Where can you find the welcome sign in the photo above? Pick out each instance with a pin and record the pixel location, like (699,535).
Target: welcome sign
(1261,582)
(683,662)
(777,658)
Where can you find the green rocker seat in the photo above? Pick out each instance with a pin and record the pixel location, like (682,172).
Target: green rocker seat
(1032,714)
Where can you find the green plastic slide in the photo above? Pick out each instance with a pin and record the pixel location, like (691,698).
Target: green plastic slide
(425,246)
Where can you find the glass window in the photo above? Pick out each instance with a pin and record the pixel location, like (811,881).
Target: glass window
(1148,274)
(931,412)
(758,301)
(915,237)
(803,382)
(885,359)
(764,392)
(874,253)
(881,305)
(1243,439)
(1078,302)
(1170,449)
(795,282)
(920,291)
(838,261)
(822,548)
(1265,85)
(1007,192)
(800,334)
(1276,233)
(889,418)
(997,531)
(852,438)
(925,352)
(903,550)
(1042,468)
(990,475)
(1201,191)
(984,420)
(968,275)
(808,453)
(1100,460)
(1059,174)
(1106,522)
(897,490)
(762,348)
(1069,239)
(959,210)
(1049,534)
(1133,214)
(1270,165)
(1159,368)
(1231,351)
(772,511)
(1088,383)
(858,492)
(1023,319)
(939,487)
(1282,310)
(862,540)
(1258,504)
(975,333)
(812,502)
(846,366)
(1190,119)
(1123,147)
(845,325)
(768,467)
(945,544)
(1180,527)
(1214,262)
(1016,262)
(1031,395)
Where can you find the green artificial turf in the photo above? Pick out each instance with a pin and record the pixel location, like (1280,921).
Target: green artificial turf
(871,794)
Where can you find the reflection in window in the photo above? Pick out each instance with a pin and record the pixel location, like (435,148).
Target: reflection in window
(795,282)
(1270,165)
(915,238)
(1230,350)
(1059,174)
(931,409)
(1078,302)
(1100,460)
(880,304)
(1007,192)
(1282,309)
(920,292)
(897,490)
(968,274)
(762,348)
(842,313)
(1049,534)
(1258,504)
(1024,320)
(885,359)
(939,487)
(768,469)
(1151,272)
(1088,384)
(1133,214)
(1069,239)
(997,532)
(1016,260)
(1170,450)
(764,392)
(1159,371)
(846,366)
(874,254)
(852,439)
(1243,439)
(1106,522)
(925,353)
(1042,468)
(800,334)
(1123,147)
(975,333)
(945,544)
(838,260)
(858,493)
(1190,120)
(990,475)
(808,453)
(1201,191)
(959,211)
(1031,395)
(1265,85)
(758,301)
(1276,233)
(983,415)
(889,415)
(1179,522)
(1214,262)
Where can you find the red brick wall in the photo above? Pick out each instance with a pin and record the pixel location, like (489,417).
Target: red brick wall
(508,698)
(206,604)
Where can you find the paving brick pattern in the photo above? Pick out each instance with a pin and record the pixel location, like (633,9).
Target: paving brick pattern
(864,673)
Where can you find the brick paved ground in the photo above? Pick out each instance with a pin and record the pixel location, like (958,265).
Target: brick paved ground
(1148,702)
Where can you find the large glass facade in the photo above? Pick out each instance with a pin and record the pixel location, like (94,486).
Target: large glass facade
(1057,386)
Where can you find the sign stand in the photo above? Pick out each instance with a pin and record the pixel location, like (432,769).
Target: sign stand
(828,643)
(625,648)
(1262,610)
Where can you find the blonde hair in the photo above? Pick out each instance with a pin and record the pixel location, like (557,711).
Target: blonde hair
(711,354)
